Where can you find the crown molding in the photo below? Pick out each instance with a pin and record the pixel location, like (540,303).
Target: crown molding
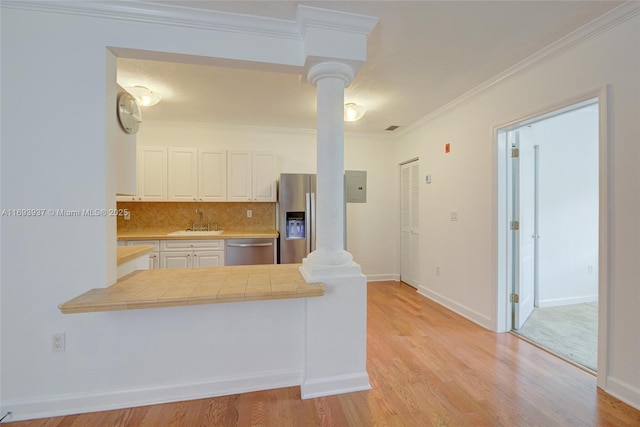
(313,17)
(588,31)
(179,16)
(226,127)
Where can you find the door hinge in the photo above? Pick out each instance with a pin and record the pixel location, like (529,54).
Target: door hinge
(515,153)
(514,225)
(514,298)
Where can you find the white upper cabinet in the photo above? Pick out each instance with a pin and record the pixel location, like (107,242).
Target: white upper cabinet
(252,176)
(197,175)
(152,173)
(264,177)
(239,178)
(187,174)
(212,175)
(182,174)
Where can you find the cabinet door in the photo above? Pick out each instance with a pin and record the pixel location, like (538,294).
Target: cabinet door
(264,177)
(152,173)
(239,177)
(208,259)
(212,175)
(154,261)
(182,174)
(178,259)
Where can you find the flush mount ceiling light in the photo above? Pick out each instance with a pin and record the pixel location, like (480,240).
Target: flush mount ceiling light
(145,97)
(353,112)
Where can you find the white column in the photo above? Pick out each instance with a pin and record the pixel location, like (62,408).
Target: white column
(336,323)
(330,258)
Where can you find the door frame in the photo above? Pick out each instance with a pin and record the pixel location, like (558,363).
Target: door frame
(503,242)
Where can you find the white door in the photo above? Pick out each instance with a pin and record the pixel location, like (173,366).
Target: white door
(409,223)
(524,209)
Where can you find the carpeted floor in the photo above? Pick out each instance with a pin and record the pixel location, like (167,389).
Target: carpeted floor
(570,331)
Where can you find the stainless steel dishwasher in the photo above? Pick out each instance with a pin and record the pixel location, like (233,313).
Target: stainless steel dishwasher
(250,251)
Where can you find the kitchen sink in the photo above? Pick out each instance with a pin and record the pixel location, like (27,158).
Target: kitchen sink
(196,233)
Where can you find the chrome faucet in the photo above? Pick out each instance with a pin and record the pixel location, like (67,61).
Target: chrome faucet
(199,212)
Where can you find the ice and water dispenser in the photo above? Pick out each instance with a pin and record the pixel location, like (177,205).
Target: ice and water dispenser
(295,225)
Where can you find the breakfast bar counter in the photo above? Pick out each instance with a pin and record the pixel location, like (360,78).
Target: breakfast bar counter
(172,234)
(179,287)
(128,253)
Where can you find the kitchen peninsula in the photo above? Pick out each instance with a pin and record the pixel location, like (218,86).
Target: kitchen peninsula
(180,287)
(158,224)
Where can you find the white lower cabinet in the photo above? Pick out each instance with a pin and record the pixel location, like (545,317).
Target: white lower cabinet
(183,253)
(154,255)
(191,253)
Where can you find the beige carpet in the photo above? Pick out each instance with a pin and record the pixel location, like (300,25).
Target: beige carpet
(570,331)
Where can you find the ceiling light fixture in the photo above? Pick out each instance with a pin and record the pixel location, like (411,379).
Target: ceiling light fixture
(353,112)
(145,97)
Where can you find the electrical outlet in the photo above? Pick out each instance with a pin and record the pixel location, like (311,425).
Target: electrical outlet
(57,343)
(249,213)
(127,215)
(437,271)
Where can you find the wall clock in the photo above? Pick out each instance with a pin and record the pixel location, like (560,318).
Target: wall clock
(129,114)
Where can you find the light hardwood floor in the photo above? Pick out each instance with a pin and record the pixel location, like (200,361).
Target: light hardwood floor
(427,365)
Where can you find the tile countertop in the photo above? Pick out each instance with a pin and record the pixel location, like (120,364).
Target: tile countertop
(226,234)
(127,253)
(193,286)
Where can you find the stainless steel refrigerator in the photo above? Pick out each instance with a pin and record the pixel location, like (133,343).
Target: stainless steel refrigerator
(296,217)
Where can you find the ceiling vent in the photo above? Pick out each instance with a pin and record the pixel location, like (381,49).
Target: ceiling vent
(392,128)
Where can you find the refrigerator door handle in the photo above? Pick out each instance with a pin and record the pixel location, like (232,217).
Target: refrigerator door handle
(307,200)
(312,246)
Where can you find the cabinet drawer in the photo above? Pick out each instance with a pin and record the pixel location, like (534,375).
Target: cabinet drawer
(155,243)
(174,245)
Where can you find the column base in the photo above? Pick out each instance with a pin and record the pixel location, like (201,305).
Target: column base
(336,339)
(313,272)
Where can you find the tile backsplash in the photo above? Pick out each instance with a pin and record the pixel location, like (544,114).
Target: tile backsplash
(151,216)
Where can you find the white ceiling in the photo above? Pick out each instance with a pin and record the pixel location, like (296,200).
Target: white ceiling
(421,55)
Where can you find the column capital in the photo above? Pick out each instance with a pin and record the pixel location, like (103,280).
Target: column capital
(330,69)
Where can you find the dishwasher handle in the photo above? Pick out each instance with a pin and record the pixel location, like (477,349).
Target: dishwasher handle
(249,245)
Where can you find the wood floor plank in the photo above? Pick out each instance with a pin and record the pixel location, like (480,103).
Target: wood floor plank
(427,366)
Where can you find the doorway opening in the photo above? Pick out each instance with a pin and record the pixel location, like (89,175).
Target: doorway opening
(551,183)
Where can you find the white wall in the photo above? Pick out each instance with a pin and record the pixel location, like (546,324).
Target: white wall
(58,91)
(463,180)
(370,233)
(568,206)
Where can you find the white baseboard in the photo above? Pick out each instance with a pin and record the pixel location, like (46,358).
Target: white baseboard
(623,391)
(335,385)
(557,302)
(383,277)
(59,405)
(463,311)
